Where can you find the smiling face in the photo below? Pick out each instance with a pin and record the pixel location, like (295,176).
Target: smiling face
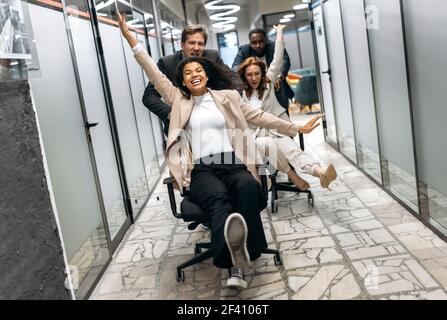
(253,75)
(195,78)
(194,45)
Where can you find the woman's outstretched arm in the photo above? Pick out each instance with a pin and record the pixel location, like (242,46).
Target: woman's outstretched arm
(275,67)
(259,118)
(163,85)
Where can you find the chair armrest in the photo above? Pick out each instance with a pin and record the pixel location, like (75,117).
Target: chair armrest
(263,171)
(301,137)
(169,182)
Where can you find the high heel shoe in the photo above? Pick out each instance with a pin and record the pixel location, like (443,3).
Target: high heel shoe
(329,176)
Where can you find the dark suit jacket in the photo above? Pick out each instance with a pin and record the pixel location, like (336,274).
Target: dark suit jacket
(285,92)
(168,65)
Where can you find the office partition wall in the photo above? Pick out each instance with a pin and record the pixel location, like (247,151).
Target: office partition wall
(123,105)
(425,26)
(98,137)
(360,84)
(96,111)
(339,78)
(72,175)
(393,80)
(387,56)
(324,76)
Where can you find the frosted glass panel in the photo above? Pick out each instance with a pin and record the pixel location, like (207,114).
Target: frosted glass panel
(324,76)
(362,96)
(61,123)
(154,48)
(125,116)
(137,83)
(339,76)
(392,102)
(426,30)
(93,93)
(291,45)
(307,48)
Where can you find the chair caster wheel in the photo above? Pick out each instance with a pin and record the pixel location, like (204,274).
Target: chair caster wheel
(180,275)
(278,260)
(310,199)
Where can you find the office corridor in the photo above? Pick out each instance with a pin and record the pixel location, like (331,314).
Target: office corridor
(356,243)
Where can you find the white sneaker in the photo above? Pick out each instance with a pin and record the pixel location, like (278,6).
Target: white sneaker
(236,279)
(235,233)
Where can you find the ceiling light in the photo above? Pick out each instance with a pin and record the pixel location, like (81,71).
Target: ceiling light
(284,20)
(300,6)
(291,15)
(102,5)
(223,16)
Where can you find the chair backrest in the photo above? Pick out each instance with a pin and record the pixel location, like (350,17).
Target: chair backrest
(306,92)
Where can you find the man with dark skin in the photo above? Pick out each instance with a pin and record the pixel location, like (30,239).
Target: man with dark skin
(193,43)
(263,49)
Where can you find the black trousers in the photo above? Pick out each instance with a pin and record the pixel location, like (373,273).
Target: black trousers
(221,188)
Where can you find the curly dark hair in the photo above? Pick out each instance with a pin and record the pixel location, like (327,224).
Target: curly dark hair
(218,77)
(264,80)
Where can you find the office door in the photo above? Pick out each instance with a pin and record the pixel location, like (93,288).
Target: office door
(324,75)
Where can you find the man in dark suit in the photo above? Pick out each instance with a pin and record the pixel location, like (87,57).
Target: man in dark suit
(193,43)
(264,49)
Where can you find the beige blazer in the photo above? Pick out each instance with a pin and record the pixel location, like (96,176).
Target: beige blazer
(236,112)
(269,102)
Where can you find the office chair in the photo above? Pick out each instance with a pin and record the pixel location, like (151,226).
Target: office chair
(306,92)
(287,186)
(193,213)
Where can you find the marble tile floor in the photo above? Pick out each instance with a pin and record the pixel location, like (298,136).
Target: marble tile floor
(356,243)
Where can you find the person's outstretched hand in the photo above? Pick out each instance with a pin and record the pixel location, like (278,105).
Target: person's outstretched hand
(311,124)
(279,27)
(125,31)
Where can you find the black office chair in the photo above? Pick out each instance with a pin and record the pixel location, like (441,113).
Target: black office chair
(287,186)
(192,212)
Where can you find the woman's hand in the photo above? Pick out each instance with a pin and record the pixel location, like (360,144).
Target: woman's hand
(279,29)
(126,32)
(311,124)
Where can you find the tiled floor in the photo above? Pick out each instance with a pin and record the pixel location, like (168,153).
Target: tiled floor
(356,243)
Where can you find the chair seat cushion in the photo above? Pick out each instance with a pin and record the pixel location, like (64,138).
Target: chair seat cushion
(191,211)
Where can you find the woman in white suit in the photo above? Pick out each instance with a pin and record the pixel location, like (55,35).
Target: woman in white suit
(259,92)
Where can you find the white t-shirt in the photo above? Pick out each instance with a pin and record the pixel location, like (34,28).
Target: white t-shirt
(207,129)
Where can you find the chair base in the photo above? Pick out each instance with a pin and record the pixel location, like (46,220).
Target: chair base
(286,186)
(201,256)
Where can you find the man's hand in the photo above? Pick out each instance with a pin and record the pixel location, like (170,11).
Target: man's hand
(278,83)
(311,124)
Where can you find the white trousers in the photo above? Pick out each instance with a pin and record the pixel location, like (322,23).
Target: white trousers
(284,152)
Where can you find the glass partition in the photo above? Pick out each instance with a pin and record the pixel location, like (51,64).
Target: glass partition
(137,85)
(361,89)
(392,101)
(122,99)
(61,123)
(339,78)
(426,34)
(325,76)
(96,109)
